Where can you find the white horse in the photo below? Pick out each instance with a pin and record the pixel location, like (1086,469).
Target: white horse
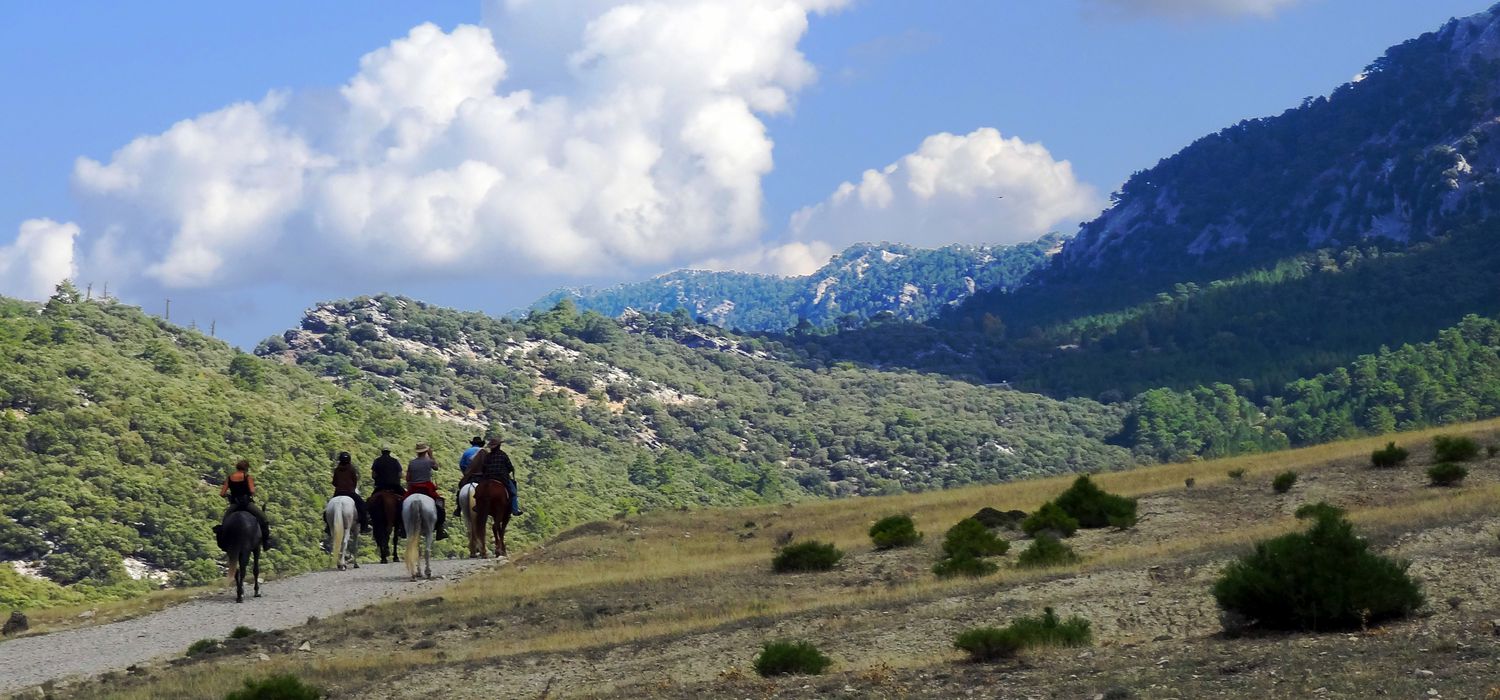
(466,509)
(419,513)
(343,530)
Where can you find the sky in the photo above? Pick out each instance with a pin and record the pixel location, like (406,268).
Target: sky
(247,160)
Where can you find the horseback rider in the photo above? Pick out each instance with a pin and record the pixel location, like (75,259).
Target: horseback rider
(475,446)
(493,463)
(419,480)
(239,489)
(346,483)
(386,473)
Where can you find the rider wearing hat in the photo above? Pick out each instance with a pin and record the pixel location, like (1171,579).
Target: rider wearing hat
(419,480)
(493,463)
(239,489)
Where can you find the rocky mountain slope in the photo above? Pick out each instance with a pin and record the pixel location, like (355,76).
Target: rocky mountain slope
(666,402)
(1405,152)
(885,280)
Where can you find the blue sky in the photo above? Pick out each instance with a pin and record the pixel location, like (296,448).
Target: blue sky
(689,177)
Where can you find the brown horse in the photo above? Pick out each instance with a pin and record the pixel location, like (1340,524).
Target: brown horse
(385,516)
(491,500)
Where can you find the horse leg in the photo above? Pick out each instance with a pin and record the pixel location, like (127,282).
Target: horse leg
(256,571)
(427,555)
(239,578)
(501,523)
(354,545)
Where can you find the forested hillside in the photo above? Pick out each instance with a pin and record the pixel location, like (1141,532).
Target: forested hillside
(116,429)
(888,280)
(1452,379)
(1276,249)
(659,399)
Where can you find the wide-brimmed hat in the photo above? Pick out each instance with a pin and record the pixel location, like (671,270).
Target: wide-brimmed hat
(493,442)
(422,447)
(385,448)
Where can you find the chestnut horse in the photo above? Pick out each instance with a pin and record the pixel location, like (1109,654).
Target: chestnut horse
(491,500)
(385,515)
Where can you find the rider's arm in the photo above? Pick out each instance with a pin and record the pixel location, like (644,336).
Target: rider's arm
(250,484)
(224,490)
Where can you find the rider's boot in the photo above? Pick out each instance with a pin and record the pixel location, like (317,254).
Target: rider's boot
(442,523)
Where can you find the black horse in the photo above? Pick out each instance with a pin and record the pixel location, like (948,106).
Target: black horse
(385,515)
(239,537)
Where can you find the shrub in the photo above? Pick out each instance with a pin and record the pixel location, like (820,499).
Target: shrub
(202,646)
(1094,507)
(790,658)
(1045,551)
(967,565)
(990,643)
(964,548)
(1318,510)
(1491,451)
(969,538)
(1237,474)
(806,556)
(894,531)
(242,631)
(1454,448)
(1319,580)
(1050,517)
(1283,482)
(1388,457)
(1446,474)
(282,687)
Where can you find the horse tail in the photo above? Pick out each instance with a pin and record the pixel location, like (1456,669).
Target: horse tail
(234,565)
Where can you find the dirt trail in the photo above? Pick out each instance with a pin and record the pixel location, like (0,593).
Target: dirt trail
(284,603)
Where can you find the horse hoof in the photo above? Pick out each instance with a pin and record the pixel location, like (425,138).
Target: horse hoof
(341,567)
(384,561)
(356,565)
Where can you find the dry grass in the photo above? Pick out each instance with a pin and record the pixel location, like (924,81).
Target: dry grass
(67,616)
(719,578)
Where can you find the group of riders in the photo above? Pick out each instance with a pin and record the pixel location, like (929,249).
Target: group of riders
(482,460)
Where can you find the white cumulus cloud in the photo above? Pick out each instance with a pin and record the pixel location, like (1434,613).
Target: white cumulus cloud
(1194,9)
(640,144)
(979,187)
(39,258)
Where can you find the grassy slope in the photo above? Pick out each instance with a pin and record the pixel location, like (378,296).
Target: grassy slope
(685,595)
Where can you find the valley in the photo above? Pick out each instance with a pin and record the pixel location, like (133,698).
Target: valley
(676,604)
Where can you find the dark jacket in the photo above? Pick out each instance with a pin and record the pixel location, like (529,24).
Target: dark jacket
(345,479)
(386,472)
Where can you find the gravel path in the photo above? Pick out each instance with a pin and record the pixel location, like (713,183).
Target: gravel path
(284,603)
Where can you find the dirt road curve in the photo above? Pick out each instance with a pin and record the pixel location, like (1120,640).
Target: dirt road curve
(283,603)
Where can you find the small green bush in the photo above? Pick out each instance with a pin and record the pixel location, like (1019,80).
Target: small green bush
(784,658)
(1094,507)
(1050,517)
(966,565)
(990,643)
(202,646)
(242,631)
(1319,580)
(1454,448)
(894,531)
(1237,474)
(282,687)
(810,555)
(1388,457)
(1045,551)
(1491,451)
(1447,474)
(1284,482)
(968,537)
(1317,510)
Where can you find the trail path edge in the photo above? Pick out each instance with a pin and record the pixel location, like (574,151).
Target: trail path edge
(284,603)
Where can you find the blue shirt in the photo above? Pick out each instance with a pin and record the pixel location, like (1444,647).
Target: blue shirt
(463,462)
